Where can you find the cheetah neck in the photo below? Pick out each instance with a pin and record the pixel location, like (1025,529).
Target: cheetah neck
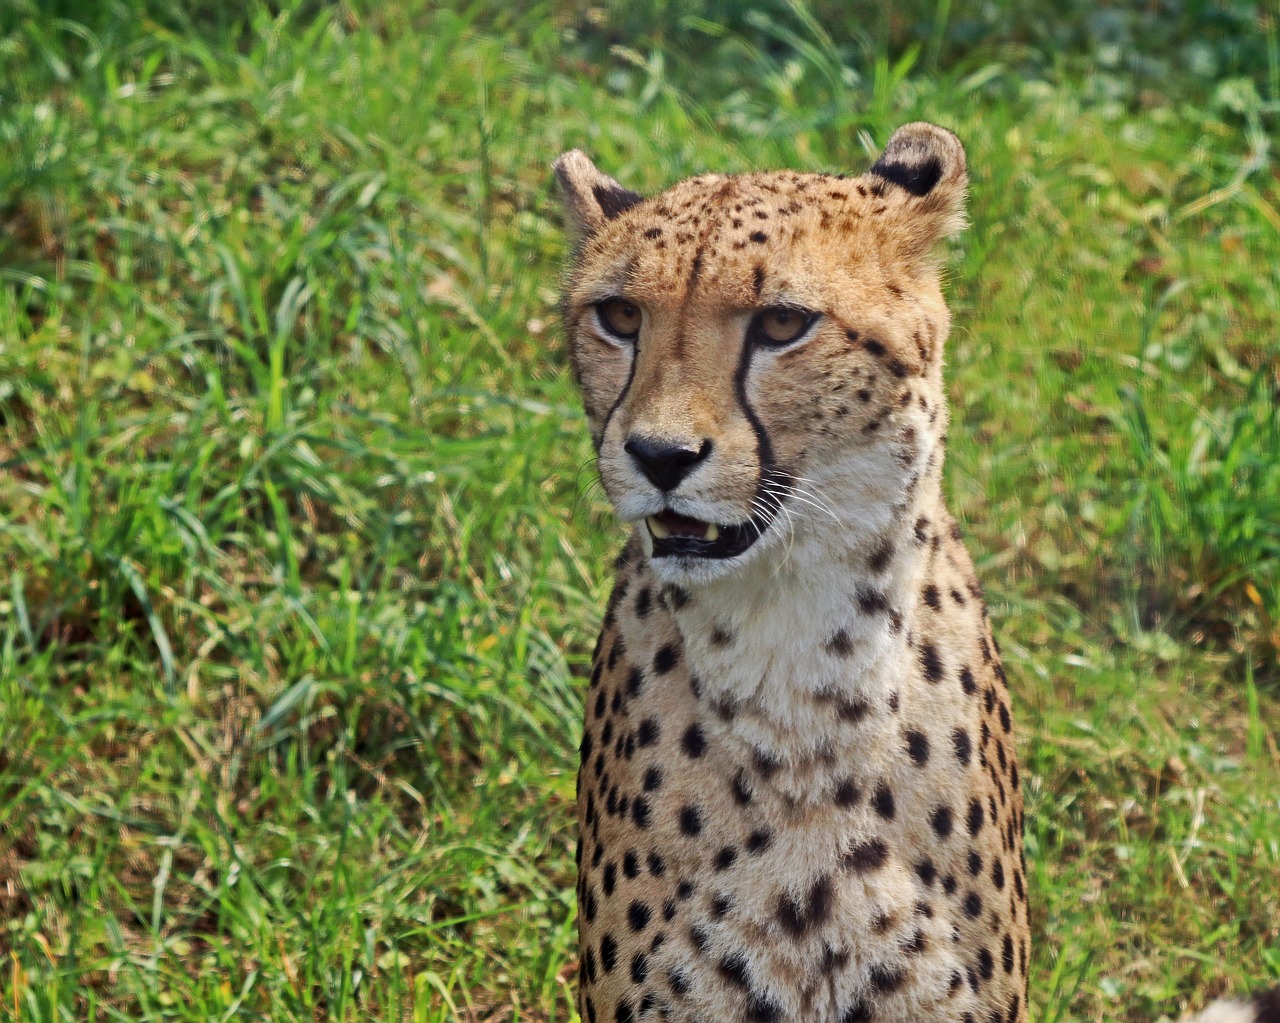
(775,646)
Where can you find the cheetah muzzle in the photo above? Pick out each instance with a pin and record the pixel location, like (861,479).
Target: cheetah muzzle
(798,797)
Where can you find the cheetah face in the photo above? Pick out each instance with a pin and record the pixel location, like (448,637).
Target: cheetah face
(759,356)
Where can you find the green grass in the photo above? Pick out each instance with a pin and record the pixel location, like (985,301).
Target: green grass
(301,555)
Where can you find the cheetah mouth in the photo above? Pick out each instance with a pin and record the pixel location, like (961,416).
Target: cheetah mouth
(676,535)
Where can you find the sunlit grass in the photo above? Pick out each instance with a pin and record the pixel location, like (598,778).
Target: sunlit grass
(303,556)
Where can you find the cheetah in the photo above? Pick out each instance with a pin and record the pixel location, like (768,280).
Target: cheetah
(798,795)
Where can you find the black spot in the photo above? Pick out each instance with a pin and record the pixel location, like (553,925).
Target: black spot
(665,659)
(858,1012)
(940,821)
(986,965)
(623,1013)
(721,637)
(867,856)
(918,747)
(653,232)
(640,812)
(931,596)
(733,968)
(634,681)
(851,711)
(963,745)
(839,645)
(975,816)
(631,863)
(916,945)
(638,915)
(881,556)
(589,907)
(700,938)
(693,742)
(758,841)
(1007,954)
(608,953)
(648,732)
(897,368)
(799,916)
(847,794)
(761,1010)
(1266,1005)
(677,596)
(759,237)
(864,394)
(741,794)
(652,779)
(639,968)
(873,346)
(975,862)
(872,601)
(601,703)
(690,821)
(885,978)
(725,858)
(643,602)
(669,910)
(758,280)
(721,905)
(997,875)
(949,884)
(1005,721)
(927,872)
(615,652)
(882,802)
(766,763)
(973,905)
(930,663)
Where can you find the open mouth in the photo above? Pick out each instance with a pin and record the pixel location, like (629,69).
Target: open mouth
(676,535)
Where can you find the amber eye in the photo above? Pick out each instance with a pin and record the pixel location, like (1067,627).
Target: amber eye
(780,325)
(620,317)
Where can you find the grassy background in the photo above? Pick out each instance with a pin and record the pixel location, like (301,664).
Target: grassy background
(300,559)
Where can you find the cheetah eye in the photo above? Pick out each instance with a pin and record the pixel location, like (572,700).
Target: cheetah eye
(780,325)
(620,318)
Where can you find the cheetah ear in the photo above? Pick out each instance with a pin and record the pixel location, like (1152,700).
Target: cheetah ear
(590,198)
(926,168)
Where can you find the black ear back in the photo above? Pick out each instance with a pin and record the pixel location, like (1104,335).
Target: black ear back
(916,178)
(591,199)
(615,200)
(920,155)
(923,176)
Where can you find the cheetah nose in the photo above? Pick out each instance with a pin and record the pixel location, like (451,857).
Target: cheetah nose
(665,463)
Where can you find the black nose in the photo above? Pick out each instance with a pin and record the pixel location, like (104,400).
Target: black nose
(665,464)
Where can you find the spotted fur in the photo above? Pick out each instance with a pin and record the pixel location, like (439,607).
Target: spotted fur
(799,796)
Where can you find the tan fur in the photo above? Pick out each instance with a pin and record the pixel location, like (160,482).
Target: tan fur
(798,797)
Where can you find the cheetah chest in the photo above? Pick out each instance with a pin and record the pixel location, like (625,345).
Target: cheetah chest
(876,871)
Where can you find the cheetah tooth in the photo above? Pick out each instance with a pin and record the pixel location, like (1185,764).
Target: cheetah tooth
(659,531)
(712,533)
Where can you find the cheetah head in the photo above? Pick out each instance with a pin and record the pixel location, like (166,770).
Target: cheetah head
(760,355)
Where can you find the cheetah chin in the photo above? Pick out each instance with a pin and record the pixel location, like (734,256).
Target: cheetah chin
(798,797)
